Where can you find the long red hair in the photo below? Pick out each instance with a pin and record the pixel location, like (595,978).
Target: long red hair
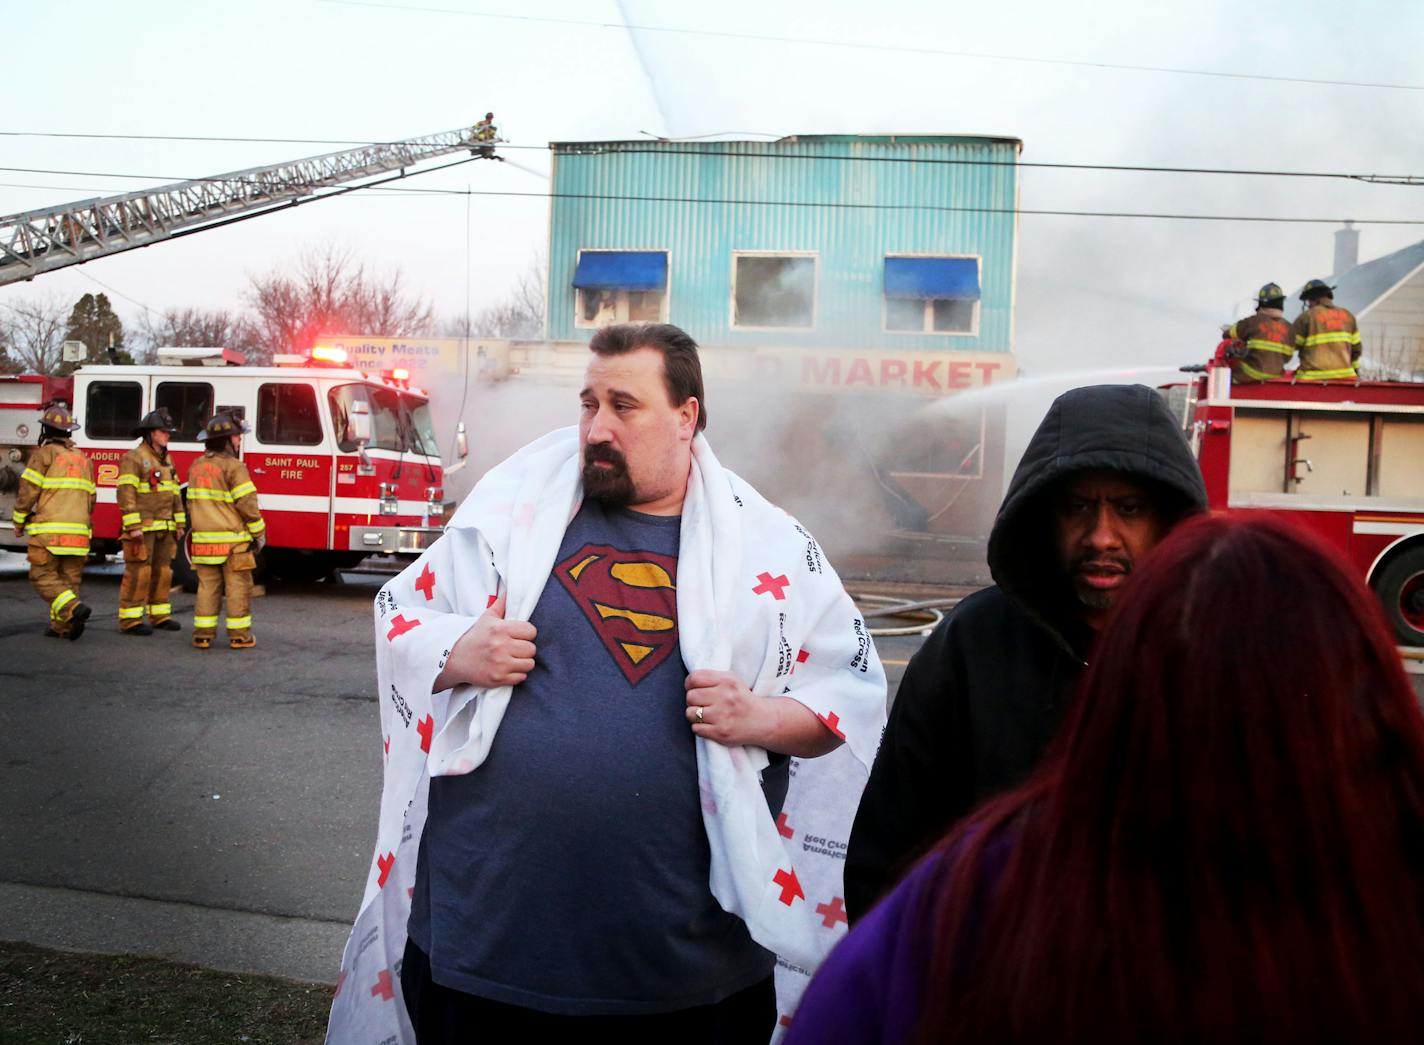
(1227,841)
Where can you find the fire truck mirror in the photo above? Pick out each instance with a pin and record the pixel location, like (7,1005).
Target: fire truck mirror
(359,423)
(462,444)
(358,428)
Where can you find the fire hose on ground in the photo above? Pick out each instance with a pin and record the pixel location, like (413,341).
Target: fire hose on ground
(923,615)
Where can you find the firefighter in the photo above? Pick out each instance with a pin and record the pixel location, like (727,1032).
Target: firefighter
(54,506)
(485,132)
(1267,339)
(227,530)
(1325,336)
(152,521)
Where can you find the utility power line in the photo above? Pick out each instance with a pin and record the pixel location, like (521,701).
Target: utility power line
(808,41)
(594,149)
(816,204)
(828,205)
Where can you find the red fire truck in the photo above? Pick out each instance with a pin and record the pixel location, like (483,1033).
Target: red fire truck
(1345,458)
(346,464)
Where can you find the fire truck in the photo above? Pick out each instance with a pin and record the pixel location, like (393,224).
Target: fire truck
(1344,458)
(346,464)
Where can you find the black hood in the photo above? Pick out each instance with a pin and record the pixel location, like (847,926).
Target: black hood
(1120,428)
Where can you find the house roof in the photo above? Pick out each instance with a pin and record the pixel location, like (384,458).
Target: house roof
(1361,287)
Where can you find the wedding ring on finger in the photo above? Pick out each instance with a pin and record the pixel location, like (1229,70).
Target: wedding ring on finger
(699,714)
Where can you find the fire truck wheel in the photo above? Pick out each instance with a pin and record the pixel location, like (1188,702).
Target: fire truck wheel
(1401,588)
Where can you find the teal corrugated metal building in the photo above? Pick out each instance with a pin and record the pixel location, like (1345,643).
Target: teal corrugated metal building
(788,242)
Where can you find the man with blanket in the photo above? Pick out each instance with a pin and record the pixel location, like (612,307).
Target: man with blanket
(652,642)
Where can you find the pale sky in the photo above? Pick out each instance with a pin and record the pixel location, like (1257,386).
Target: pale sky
(1091,291)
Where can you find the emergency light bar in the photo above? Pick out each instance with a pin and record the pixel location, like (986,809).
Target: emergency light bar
(174,355)
(330,356)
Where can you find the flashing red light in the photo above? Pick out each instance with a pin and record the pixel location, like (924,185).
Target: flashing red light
(325,354)
(400,374)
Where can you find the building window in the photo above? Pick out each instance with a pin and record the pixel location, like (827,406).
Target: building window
(112,409)
(287,415)
(775,291)
(932,295)
(189,403)
(620,286)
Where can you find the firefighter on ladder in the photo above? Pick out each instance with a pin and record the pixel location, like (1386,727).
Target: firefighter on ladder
(486,133)
(1267,339)
(152,520)
(54,505)
(226,525)
(1326,336)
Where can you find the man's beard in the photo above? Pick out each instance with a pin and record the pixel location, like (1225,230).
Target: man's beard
(611,487)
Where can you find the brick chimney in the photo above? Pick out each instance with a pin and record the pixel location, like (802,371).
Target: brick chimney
(1347,248)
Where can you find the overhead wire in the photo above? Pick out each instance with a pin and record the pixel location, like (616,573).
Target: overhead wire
(865,45)
(377,186)
(286,205)
(600,148)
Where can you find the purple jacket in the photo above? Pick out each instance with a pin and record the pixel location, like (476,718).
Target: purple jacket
(871,988)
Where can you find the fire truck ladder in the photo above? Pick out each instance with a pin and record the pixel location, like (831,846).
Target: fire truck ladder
(39,241)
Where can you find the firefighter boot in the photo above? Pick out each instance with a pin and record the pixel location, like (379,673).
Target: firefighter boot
(77,617)
(242,640)
(167,624)
(138,629)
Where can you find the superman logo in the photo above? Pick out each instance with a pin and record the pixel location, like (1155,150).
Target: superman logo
(630,598)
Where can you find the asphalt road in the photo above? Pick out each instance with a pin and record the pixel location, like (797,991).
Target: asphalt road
(149,785)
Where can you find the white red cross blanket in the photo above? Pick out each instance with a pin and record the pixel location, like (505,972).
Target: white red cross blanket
(755,595)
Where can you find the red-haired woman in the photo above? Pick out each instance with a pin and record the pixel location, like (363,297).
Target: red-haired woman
(1227,843)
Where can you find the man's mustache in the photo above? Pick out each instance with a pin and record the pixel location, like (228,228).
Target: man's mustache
(1093,563)
(603,452)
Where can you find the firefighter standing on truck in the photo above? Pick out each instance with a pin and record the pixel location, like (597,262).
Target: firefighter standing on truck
(1267,338)
(1326,336)
(152,520)
(226,523)
(54,506)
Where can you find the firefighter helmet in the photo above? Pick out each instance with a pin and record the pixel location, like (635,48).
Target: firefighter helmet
(1270,292)
(57,416)
(158,419)
(223,425)
(1316,288)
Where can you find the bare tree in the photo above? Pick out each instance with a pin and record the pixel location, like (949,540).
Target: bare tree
(193,327)
(519,315)
(329,292)
(32,330)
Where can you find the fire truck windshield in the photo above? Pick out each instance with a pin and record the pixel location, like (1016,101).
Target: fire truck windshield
(422,428)
(401,423)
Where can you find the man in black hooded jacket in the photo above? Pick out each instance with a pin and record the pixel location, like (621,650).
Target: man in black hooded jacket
(1104,477)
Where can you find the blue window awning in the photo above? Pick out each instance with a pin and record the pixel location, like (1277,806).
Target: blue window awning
(622,270)
(956,279)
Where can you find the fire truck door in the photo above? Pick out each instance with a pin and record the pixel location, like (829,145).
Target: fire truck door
(108,407)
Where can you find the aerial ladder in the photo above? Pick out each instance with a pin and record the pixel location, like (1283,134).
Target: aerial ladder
(40,241)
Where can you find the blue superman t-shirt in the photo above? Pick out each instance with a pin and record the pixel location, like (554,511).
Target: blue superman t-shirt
(569,872)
